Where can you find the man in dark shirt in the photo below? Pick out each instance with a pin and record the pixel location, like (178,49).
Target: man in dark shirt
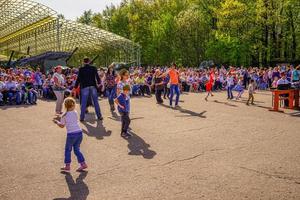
(276,73)
(159,86)
(88,79)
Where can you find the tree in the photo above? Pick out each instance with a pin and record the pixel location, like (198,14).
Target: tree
(193,33)
(86,18)
(234,32)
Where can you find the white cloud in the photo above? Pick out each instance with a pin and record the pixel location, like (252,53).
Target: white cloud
(72,9)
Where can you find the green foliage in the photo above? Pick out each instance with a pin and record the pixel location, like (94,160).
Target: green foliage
(236,32)
(228,50)
(86,18)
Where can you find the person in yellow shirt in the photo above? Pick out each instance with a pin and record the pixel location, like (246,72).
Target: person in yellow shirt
(140,81)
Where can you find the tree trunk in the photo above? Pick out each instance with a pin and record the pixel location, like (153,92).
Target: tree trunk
(294,42)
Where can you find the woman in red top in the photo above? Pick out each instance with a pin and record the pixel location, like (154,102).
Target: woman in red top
(210,83)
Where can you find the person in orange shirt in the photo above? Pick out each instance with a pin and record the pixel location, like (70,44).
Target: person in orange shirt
(174,84)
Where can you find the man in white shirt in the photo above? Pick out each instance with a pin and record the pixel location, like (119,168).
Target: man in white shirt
(283,81)
(230,86)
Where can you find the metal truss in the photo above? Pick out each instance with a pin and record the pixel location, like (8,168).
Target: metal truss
(25,24)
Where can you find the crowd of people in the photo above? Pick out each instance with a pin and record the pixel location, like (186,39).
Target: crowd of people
(25,86)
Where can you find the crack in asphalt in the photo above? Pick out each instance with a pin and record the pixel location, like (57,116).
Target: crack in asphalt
(293,179)
(188,130)
(190,158)
(113,168)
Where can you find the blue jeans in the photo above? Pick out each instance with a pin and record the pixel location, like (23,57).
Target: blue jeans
(229,92)
(73,141)
(12,94)
(85,92)
(111,94)
(135,89)
(32,97)
(174,89)
(46,92)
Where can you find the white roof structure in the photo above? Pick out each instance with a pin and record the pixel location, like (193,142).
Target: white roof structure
(25,24)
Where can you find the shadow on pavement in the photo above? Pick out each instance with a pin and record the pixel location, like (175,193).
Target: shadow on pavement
(255,104)
(99,132)
(225,103)
(295,114)
(6,107)
(201,115)
(188,113)
(138,147)
(117,118)
(245,101)
(78,190)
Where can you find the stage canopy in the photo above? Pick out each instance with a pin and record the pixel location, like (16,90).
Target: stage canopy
(28,27)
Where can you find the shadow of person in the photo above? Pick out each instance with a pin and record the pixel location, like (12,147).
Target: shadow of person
(255,104)
(98,131)
(191,113)
(7,107)
(136,118)
(225,103)
(295,114)
(115,116)
(79,189)
(244,102)
(138,147)
(186,111)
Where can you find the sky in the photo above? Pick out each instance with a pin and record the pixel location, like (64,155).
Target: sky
(72,9)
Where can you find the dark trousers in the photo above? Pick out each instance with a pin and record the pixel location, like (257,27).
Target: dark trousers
(229,92)
(185,87)
(246,81)
(270,82)
(144,89)
(125,121)
(217,85)
(158,94)
(286,101)
(5,96)
(166,91)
